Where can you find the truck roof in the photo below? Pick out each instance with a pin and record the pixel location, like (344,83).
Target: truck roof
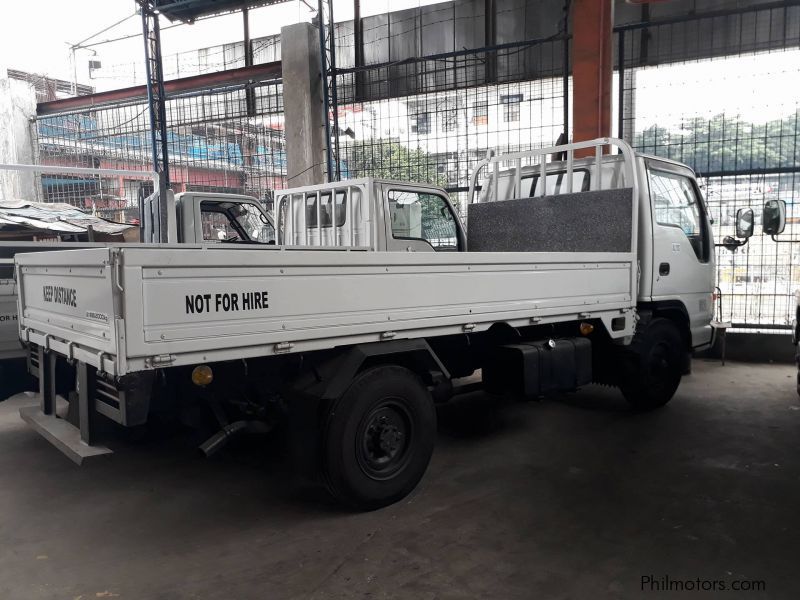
(355,182)
(672,161)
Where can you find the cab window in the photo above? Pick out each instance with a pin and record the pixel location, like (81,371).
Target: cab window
(217,226)
(330,214)
(423,216)
(675,204)
(235,222)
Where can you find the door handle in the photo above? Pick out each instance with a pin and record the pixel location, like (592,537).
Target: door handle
(663,269)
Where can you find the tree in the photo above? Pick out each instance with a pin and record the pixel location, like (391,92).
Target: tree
(723,143)
(388,159)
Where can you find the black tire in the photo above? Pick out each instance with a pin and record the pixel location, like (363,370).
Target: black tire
(378,438)
(798,382)
(654,365)
(797,362)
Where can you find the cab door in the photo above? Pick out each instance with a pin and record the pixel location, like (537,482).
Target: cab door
(420,220)
(683,252)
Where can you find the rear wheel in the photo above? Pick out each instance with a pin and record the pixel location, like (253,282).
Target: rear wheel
(379,438)
(654,365)
(796,343)
(798,382)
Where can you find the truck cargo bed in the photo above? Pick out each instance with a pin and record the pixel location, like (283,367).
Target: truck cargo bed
(125,308)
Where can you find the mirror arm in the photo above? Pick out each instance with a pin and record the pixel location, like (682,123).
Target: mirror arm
(775,239)
(737,243)
(732,244)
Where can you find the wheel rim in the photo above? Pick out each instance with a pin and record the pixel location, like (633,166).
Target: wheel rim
(384,439)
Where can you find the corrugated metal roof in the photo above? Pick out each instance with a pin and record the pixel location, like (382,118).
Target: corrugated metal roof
(189,10)
(56,217)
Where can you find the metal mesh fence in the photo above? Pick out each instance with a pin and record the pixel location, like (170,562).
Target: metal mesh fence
(190,63)
(431,119)
(215,144)
(735,119)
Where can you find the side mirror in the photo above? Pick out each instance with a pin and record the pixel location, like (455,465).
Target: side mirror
(745,223)
(774,217)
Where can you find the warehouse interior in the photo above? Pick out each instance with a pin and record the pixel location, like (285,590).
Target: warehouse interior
(568,495)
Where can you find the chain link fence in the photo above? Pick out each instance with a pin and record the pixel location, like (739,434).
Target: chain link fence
(431,119)
(227,140)
(730,109)
(717,92)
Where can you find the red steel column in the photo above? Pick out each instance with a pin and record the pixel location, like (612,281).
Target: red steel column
(592,33)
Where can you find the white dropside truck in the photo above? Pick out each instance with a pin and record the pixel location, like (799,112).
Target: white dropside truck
(373,301)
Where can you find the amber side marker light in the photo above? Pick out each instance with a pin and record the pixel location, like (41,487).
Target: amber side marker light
(586,328)
(202,375)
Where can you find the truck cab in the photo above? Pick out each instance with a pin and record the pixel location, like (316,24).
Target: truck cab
(209,217)
(205,217)
(377,214)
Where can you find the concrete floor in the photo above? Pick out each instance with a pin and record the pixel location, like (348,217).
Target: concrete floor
(575,498)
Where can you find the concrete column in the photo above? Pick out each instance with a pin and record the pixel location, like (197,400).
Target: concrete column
(17,108)
(592,23)
(304,118)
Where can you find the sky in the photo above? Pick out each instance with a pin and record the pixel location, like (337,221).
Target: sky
(759,87)
(37,34)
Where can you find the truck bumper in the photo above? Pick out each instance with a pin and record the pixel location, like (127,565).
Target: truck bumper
(75,442)
(62,434)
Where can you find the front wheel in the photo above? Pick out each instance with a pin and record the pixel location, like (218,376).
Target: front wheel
(654,365)
(797,362)
(379,438)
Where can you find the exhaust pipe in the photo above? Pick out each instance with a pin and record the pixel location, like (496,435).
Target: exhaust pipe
(218,441)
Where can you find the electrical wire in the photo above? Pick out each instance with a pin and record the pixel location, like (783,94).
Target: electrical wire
(80,45)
